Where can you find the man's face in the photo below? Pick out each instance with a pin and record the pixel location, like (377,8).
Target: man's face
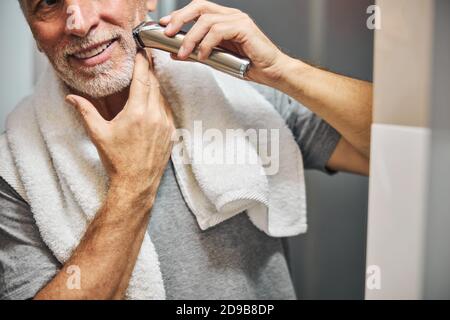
(88,42)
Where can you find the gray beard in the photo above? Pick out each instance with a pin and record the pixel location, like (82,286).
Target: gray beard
(105,81)
(102,80)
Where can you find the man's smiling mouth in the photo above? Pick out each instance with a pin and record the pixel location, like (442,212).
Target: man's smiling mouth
(95,54)
(86,54)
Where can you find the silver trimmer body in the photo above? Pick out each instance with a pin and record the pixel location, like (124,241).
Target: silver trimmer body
(151,35)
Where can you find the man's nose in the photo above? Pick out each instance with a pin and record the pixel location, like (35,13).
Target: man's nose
(82,17)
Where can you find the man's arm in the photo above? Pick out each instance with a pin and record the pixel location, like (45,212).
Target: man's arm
(344,103)
(134,148)
(107,254)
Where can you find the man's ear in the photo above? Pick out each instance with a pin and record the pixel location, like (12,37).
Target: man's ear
(151,5)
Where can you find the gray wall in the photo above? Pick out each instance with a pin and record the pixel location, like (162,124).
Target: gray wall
(329,261)
(437,261)
(16,58)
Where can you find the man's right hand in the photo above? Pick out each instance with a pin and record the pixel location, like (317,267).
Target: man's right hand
(135,146)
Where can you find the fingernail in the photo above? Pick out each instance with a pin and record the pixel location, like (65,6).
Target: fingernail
(165,19)
(71,101)
(182,52)
(169,28)
(200,56)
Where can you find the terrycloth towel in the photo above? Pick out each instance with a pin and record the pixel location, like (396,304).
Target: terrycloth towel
(269,187)
(56,168)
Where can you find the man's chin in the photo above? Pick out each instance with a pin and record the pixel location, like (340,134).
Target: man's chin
(99,84)
(100,90)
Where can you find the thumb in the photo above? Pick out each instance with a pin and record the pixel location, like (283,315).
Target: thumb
(91,118)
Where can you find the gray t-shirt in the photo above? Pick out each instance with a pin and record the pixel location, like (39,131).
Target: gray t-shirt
(233,260)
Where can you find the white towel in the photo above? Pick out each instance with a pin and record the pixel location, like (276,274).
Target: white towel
(274,199)
(57,169)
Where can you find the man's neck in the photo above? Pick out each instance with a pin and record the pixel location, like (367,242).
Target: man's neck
(109,107)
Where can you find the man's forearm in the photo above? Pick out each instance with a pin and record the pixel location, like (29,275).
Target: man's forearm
(134,148)
(345,103)
(107,254)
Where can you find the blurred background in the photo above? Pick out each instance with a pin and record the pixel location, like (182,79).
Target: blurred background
(328,262)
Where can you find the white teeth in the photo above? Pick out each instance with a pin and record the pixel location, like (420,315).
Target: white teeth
(93,52)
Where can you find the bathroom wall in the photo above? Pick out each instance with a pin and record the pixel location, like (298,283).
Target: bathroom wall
(329,261)
(16,58)
(437,254)
(400,144)
(408,212)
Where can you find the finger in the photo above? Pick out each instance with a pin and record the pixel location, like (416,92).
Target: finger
(167,111)
(157,102)
(174,56)
(155,90)
(191,12)
(218,33)
(153,104)
(199,31)
(165,20)
(140,84)
(149,54)
(155,99)
(93,121)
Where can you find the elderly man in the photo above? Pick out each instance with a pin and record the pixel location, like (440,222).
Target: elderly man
(130,122)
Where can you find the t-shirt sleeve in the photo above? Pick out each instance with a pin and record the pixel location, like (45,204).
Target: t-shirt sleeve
(26,264)
(316,138)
